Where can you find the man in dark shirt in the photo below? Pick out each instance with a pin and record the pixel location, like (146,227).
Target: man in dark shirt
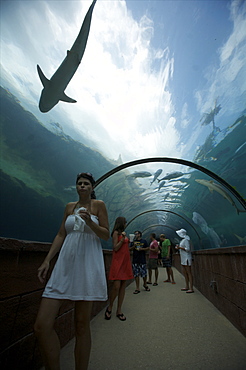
(139,247)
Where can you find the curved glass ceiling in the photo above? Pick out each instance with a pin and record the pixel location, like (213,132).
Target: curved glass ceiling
(157,79)
(154,200)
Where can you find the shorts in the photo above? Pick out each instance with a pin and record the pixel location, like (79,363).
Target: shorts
(152,264)
(188,263)
(139,269)
(167,262)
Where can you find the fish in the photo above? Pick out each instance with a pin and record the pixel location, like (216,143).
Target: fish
(140,174)
(214,237)
(53,89)
(212,186)
(200,221)
(172,175)
(241,239)
(165,197)
(161,184)
(156,174)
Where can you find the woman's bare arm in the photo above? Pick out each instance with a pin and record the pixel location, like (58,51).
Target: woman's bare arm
(101,230)
(118,244)
(54,249)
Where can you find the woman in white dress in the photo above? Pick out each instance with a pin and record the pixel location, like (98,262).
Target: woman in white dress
(186,259)
(78,275)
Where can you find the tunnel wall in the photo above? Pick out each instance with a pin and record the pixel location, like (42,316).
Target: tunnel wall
(220,275)
(21,294)
(19,301)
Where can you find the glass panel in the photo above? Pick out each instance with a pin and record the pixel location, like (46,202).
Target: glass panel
(157,79)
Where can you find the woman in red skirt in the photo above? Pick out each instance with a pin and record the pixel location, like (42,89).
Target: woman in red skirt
(121,268)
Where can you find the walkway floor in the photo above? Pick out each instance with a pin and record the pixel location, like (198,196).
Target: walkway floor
(165,329)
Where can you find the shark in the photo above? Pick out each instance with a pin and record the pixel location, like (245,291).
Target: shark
(212,186)
(214,237)
(165,197)
(200,221)
(172,175)
(156,174)
(241,239)
(161,184)
(140,174)
(53,89)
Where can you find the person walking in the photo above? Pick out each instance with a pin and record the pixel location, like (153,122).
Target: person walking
(120,269)
(139,247)
(186,259)
(153,258)
(78,275)
(167,258)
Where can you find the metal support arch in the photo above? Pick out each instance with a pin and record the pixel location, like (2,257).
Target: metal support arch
(177,161)
(168,211)
(158,225)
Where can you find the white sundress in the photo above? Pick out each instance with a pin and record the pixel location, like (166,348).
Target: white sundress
(79,273)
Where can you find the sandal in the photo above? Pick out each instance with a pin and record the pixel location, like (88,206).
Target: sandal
(155,284)
(136,291)
(146,288)
(107,314)
(121,317)
(190,291)
(184,289)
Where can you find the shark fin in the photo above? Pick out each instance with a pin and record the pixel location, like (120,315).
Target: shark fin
(66,98)
(42,77)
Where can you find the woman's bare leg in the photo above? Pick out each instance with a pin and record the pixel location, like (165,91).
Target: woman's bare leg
(171,276)
(114,293)
(186,277)
(121,296)
(150,276)
(144,281)
(82,317)
(190,277)
(137,280)
(47,337)
(156,275)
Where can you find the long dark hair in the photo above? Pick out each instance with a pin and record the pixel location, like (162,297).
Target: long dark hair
(119,225)
(88,176)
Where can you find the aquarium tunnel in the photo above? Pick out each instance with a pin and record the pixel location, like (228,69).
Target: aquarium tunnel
(191,198)
(154,108)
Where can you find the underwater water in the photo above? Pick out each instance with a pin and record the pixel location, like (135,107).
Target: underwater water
(160,94)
